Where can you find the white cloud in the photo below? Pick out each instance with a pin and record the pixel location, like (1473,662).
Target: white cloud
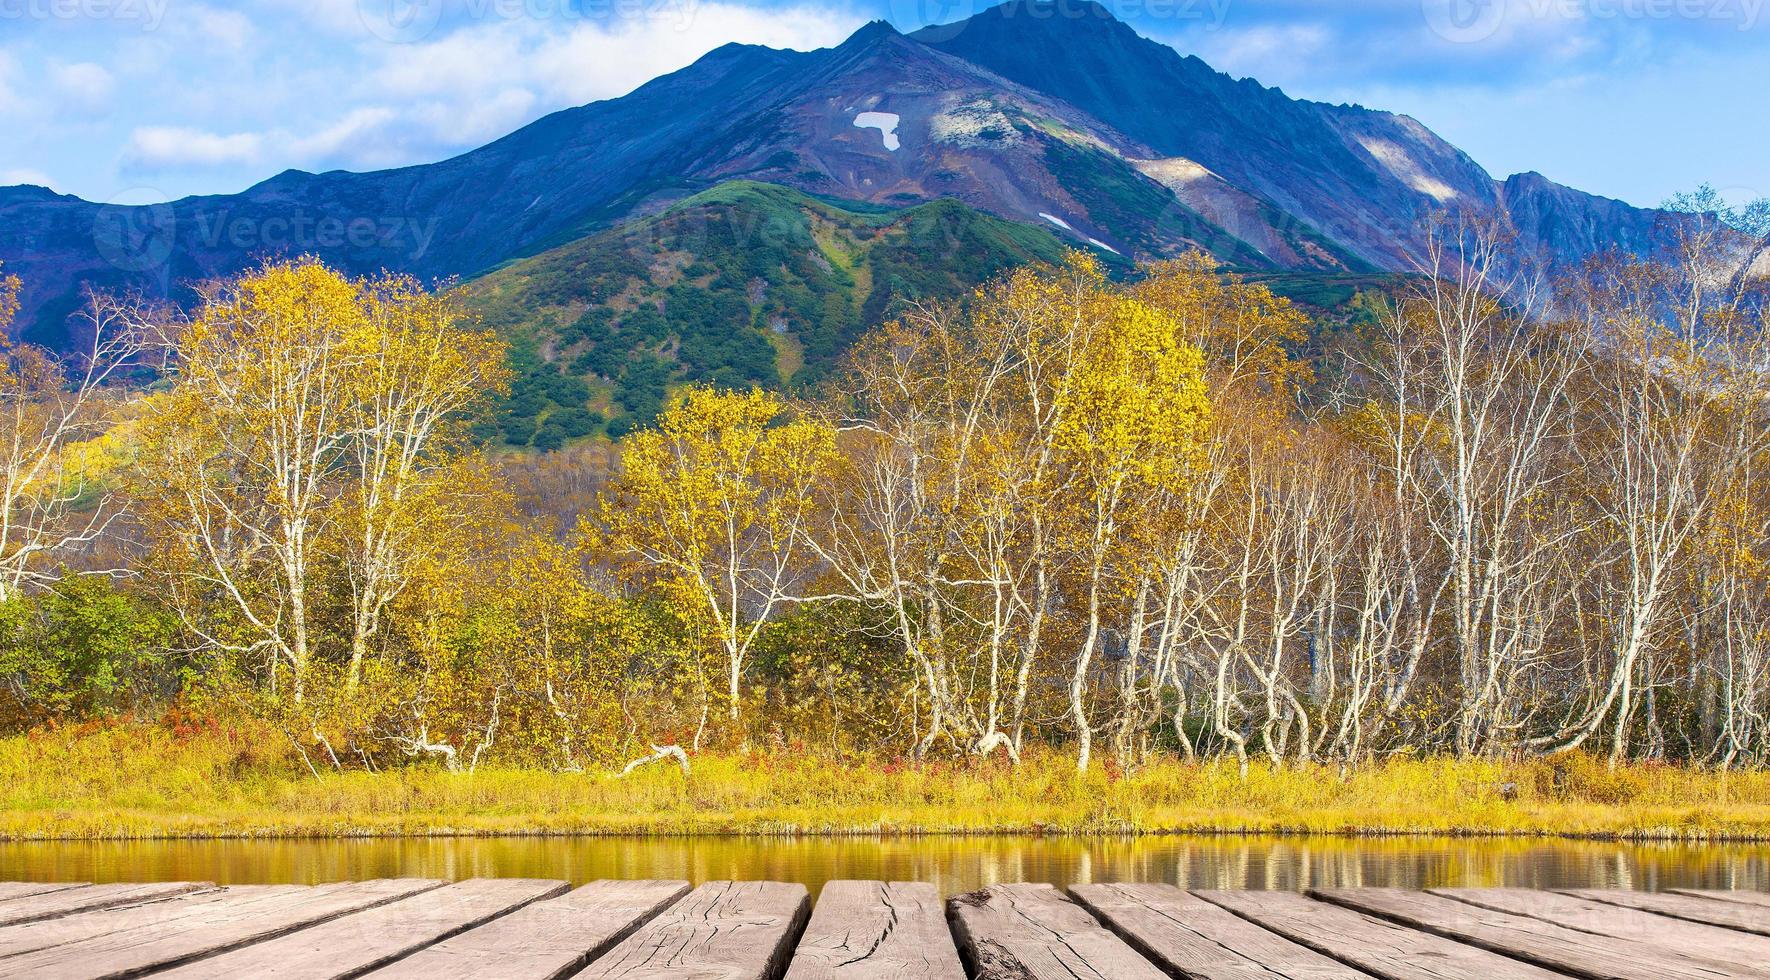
(589,60)
(84,86)
(25,175)
(592,62)
(361,126)
(9,100)
(228,28)
(1271,53)
(160,147)
(478,121)
(337,16)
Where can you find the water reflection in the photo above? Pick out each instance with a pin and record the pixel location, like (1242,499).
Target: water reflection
(955,864)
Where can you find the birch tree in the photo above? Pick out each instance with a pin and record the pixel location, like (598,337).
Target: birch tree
(719,498)
(50,505)
(1485,390)
(1135,412)
(417,373)
(249,452)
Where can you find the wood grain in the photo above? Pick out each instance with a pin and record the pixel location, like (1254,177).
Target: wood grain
(166,934)
(1727,914)
(1191,937)
(876,930)
(69,901)
(1376,946)
(544,940)
(723,930)
(1032,932)
(361,942)
(1571,951)
(1689,938)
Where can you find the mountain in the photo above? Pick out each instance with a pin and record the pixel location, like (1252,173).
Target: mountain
(1254,160)
(1073,124)
(746,283)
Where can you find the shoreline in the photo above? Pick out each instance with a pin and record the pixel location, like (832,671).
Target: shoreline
(137,783)
(160,828)
(761,836)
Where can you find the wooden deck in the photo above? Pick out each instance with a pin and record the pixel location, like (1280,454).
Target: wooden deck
(518,929)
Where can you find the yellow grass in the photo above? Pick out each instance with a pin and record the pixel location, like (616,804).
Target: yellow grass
(142,781)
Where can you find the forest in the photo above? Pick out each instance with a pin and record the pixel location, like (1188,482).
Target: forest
(1121,519)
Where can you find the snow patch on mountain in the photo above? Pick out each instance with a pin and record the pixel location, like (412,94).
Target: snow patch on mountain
(1097,243)
(1406,169)
(1059,222)
(884,122)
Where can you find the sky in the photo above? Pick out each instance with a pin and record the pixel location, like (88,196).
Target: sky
(135,101)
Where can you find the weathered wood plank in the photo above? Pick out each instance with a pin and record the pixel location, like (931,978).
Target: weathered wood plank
(217,928)
(1729,915)
(1543,943)
(191,906)
(10,890)
(723,930)
(1690,938)
(876,930)
(361,942)
(544,940)
(1373,945)
(1191,937)
(1032,932)
(69,901)
(1759,899)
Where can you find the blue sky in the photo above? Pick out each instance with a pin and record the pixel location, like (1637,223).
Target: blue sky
(139,100)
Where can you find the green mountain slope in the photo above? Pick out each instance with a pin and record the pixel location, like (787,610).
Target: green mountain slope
(745,283)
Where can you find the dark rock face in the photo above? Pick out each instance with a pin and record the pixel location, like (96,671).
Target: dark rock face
(1056,116)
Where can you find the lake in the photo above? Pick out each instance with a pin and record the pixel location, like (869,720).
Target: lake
(956,864)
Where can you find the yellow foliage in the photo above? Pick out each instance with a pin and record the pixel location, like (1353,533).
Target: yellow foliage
(717,500)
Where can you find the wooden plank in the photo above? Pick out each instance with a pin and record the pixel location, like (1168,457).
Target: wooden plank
(217,928)
(723,930)
(1690,938)
(358,943)
(68,901)
(1759,899)
(876,930)
(1521,937)
(544,940)
(1190,937)
(1032,932)
(191,906)
(1728,915)
(20,889)
(1376,946)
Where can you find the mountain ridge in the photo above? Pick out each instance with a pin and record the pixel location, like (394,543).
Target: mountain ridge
(1074,124)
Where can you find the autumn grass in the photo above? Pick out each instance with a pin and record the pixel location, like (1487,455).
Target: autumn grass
(141,781)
